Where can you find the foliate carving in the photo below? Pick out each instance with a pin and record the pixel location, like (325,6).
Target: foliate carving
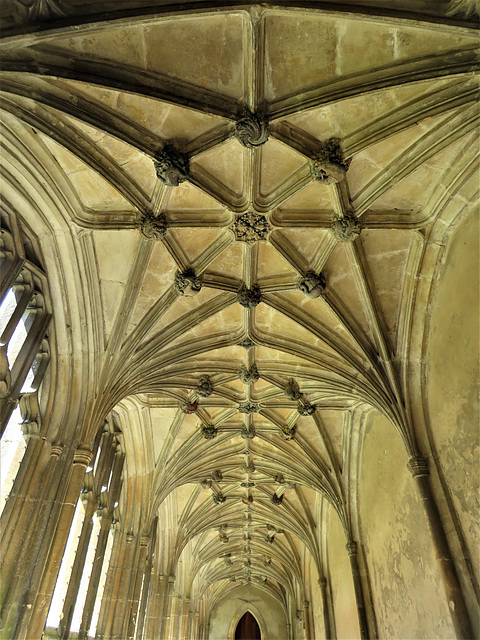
(277,499)
(312,284)
(222,535)
(5,378)
(249,297)
(228,560)
(328,165)
(250,227)
(248,376)
(204,386)
(251,130)
(418,466)
(351,548)
(247,485)
(153,226)
(247,343)
(248,433)
(217,475)
(187,283)
(346,228)
(292,390)
(171,165)
(208,431)
(189,407)
(305,408)
(207,483)
(288,433)
(248,407)
(219,498)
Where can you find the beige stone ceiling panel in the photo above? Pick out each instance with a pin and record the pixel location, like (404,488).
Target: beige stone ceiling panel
(339,272)
(106,99)
(182,48)
(165,120)
(351,115)
(93,191)
(225,163)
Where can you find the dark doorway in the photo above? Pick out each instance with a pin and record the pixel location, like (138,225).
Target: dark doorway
(247,628)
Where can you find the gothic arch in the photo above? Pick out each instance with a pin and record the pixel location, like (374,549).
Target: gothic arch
(241,611)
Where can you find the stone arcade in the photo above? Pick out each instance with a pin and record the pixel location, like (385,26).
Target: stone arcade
(239,320)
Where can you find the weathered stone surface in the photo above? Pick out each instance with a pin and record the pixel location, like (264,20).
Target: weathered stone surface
(288,433)
(346,228)
(248,407)
(312,284)
(172,166)
(306,408)
(204,386)
(251,227)
(208,431)
(292,390)
(152,226)
(251,130)
(249,297)
(248,376)
(329,166)
(187,283)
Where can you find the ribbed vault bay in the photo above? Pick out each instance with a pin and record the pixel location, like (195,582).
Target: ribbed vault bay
(240,339)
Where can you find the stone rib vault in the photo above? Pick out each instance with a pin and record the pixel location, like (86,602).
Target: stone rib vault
(250,219)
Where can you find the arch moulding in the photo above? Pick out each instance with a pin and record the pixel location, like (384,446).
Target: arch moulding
(242,611)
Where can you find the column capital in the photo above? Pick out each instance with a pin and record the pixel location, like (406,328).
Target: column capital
(82,456)
(56,450)
(418,466)
(322,583)
(144,540)
(351,547)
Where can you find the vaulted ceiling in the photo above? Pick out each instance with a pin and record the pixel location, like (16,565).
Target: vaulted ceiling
(236,332)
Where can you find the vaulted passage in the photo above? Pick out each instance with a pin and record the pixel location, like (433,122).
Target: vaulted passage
(239,320)
(247,628)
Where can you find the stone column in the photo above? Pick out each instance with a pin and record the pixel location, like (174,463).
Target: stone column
(154,606)
(185,619)
(124,576)
(326,614)
(195,626)
(108,590)
(18,517)
(357,585)
(95,576)
(166,610)
(41,604)
(146,595)
(306,620)
(137,579)
(418,467)
(63,630)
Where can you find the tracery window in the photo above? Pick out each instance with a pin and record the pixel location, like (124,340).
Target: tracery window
(78,591)
(24,345)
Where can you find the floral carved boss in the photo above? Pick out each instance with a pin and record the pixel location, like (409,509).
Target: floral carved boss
(250,227)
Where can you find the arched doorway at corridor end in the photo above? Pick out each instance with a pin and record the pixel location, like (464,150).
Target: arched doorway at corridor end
(248,628)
